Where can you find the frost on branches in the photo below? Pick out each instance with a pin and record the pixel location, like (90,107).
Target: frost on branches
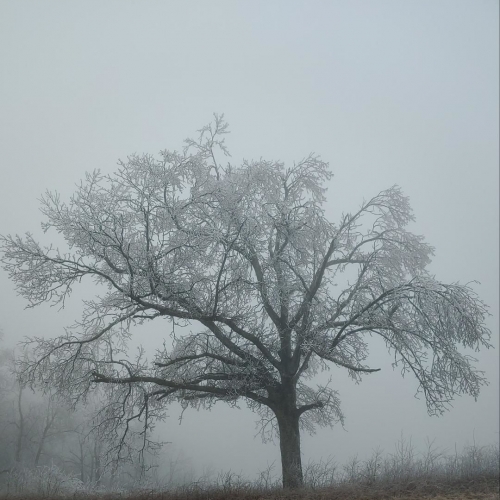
(245,257)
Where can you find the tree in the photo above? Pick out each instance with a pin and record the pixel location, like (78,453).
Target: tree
(29,426)
(244,256)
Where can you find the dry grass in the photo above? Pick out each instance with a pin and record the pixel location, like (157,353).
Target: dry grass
(402,475)
(482,489)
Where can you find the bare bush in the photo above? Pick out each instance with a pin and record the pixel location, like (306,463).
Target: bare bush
(46,482)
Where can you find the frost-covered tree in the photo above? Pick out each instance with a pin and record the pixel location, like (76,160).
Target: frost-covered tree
(244,258)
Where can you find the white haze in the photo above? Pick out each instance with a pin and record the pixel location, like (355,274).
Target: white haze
(388,92)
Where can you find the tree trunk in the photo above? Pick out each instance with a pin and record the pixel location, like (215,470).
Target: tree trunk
(291,462)
(20,436)
(97,460)
(288,425)
(49,420)
(82,460)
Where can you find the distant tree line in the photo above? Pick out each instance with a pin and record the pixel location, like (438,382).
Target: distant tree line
(42,431)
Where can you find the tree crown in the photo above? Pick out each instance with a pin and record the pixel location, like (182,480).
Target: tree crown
(246,257)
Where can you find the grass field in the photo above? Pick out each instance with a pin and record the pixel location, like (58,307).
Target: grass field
(404,474)
(485,490)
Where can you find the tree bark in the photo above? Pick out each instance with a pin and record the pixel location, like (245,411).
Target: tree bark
(291,461)
(287,417)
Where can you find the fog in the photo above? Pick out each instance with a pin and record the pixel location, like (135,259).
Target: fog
(387,92)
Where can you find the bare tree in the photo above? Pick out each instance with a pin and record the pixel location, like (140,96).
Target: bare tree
(88,455)
(245,257)
(29,425)
(15,420)
(54,420)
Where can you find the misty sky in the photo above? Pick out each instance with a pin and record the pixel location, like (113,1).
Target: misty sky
(388,92)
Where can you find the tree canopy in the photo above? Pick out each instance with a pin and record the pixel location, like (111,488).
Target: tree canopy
(271,290)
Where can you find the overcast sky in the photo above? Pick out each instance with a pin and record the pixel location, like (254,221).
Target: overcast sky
(388,92)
